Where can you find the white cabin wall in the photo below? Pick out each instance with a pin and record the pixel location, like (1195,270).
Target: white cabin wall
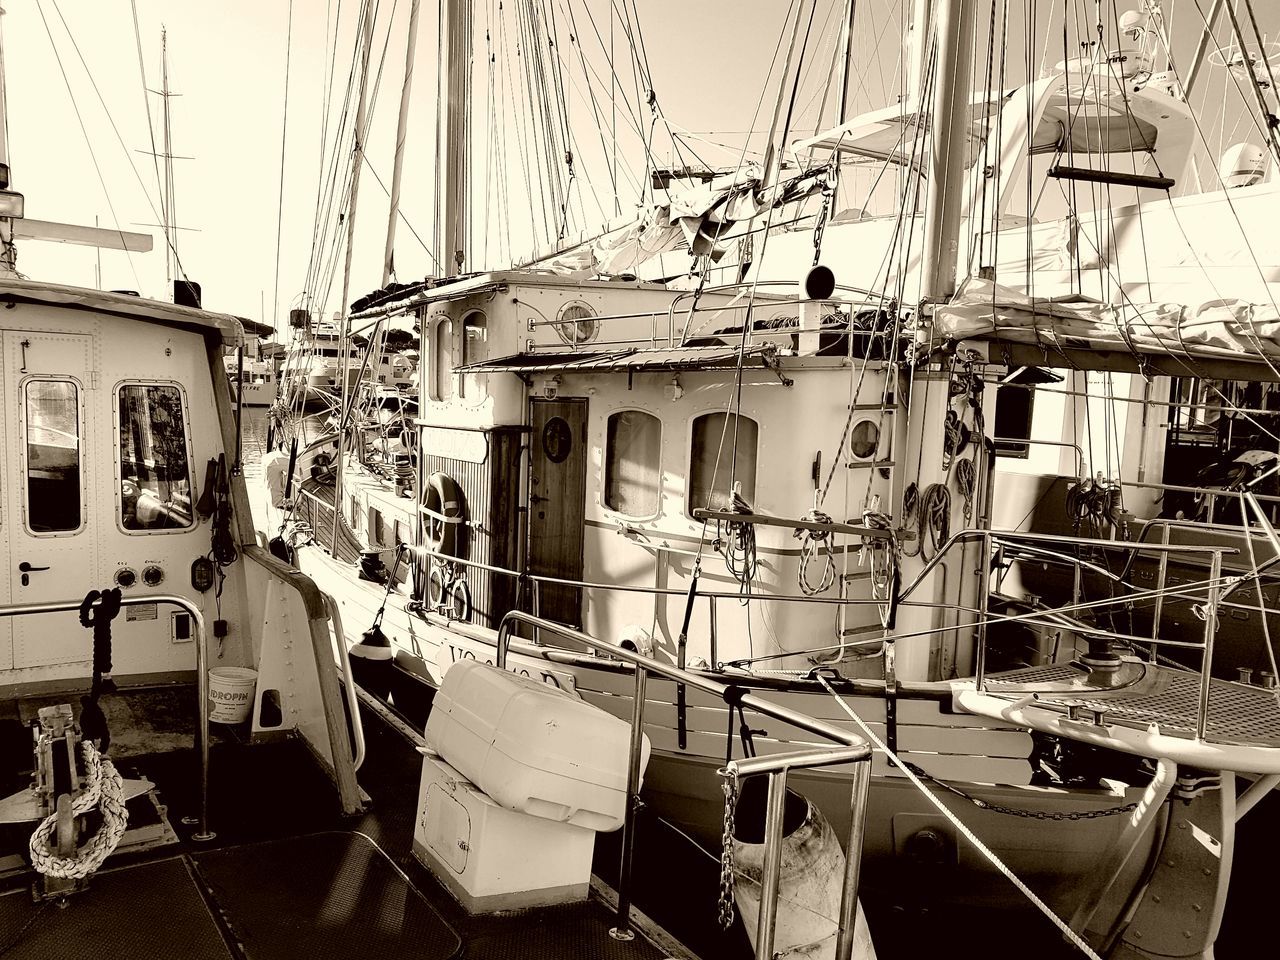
(794,424)
(122,350)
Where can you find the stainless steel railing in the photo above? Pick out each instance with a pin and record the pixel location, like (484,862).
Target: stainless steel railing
(850,749)
(202,677)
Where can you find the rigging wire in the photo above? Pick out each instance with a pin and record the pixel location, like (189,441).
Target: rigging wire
(284,133)
(84,130)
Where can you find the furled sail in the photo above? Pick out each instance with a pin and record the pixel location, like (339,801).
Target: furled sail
(1216,328)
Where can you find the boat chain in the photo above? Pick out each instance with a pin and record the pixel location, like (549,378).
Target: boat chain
(1017,812)
(730,787)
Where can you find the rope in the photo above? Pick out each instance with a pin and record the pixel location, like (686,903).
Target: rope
(104,789)
(933,518)
(956,822)
(93,722)
(966,480)
(813,542)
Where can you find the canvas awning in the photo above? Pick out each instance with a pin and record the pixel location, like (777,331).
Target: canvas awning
(631,360)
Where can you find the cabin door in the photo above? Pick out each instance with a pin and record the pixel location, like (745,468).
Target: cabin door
(48,427)
(557,489)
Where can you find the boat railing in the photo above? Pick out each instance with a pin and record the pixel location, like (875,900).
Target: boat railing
(202,674)
(760,295)
(1210,589)
(847,748)
(712,597)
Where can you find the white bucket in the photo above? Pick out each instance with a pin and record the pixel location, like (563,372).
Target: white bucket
(231,693)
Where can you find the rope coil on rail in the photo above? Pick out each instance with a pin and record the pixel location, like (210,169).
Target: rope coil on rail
(813,542)
(104,789)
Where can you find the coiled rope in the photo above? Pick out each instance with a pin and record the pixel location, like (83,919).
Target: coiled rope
(105,789)
(933,519)
(955,821)
(813,542)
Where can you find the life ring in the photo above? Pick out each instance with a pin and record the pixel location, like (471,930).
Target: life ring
(446,509)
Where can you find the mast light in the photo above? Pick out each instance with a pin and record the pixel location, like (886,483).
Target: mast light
(11,204)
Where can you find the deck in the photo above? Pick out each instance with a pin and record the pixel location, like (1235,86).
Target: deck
(286,876)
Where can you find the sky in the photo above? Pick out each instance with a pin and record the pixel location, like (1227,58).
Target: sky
(77,122)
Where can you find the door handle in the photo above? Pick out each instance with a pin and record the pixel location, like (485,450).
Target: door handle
(534,498)
(25,567)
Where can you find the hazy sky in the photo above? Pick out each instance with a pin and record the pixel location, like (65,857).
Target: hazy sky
(709,60)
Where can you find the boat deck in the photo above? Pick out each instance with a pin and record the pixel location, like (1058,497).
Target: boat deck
(1238,713)
(286,875)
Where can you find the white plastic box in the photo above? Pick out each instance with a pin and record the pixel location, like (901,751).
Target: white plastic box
(492,858)
(532,747)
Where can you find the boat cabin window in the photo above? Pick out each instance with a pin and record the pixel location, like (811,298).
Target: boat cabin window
(713,466)
(155,474)
(475,337)
(51,414)
(443,359)
(632,468)
(1014,415)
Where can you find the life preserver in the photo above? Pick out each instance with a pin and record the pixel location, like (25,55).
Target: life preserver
(446,510)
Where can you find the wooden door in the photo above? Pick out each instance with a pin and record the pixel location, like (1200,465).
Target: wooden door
(557,489)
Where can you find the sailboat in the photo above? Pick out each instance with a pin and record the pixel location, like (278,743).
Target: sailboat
(654,468)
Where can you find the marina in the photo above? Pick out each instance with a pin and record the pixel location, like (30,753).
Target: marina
(860,545)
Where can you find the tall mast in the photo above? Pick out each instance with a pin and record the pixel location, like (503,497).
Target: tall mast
(846,61)
(8,255)
(357,161)
(919,44)
(170,215)
(452,148)
(411,46)
(948,126)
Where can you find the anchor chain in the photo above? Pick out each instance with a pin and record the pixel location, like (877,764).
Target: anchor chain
(730,787)
(1017,812)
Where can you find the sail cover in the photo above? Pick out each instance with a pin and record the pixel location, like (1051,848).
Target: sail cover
(1217,328)
(701,218)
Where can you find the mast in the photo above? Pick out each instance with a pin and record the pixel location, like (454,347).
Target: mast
(402,124)
(1202,47)
(170,215)
(451,132)
(357,161)
(8,255)
(948,123)
(842,110)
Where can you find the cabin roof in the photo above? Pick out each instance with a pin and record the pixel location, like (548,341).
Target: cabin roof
(632,360)
(229,329)
(442,291)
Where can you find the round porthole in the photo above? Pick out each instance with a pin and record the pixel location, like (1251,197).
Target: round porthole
(863,439)
(576,323)
(557,440)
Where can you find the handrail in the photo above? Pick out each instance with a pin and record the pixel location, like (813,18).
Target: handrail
(202,675)
(977,533)
(348,682)
(420,551)
(777,768)
(856,749)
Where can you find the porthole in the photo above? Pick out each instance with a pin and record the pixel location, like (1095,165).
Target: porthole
(557,439)
(576,323)
(863,439)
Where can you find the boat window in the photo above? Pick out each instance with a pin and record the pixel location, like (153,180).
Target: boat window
(632,471)
(155,476)
(713,465)
(52,414)
(1014,407)
(442,351)
(475,337)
